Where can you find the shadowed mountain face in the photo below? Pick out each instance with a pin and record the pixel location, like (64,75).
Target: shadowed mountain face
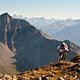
(30,47)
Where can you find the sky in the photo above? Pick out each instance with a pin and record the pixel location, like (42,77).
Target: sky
(60,9)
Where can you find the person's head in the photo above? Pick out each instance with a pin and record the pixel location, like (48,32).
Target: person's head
(63,44)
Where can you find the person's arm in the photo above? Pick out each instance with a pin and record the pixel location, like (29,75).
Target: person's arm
(66,48)
(58,48)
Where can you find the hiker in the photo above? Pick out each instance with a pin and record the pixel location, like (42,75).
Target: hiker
(63,50)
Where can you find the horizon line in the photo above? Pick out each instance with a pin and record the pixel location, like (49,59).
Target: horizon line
(23,16)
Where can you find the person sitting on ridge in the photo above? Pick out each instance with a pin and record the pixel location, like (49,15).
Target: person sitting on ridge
(63,50)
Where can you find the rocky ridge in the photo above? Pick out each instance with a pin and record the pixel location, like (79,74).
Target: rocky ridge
(62,70)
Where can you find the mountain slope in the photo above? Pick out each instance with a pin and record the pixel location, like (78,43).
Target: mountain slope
(6,60)
(30,47)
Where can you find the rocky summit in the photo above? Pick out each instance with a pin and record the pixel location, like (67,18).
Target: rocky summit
(62,70)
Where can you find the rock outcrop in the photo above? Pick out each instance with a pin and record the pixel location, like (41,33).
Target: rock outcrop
(76,58)
(59,71)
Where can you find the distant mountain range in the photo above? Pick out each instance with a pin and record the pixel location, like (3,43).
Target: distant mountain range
(67,29)
(26,47)
(71,33)
(37,22)
(52,24)
(64,30)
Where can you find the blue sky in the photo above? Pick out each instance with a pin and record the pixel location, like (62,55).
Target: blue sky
(60,9)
